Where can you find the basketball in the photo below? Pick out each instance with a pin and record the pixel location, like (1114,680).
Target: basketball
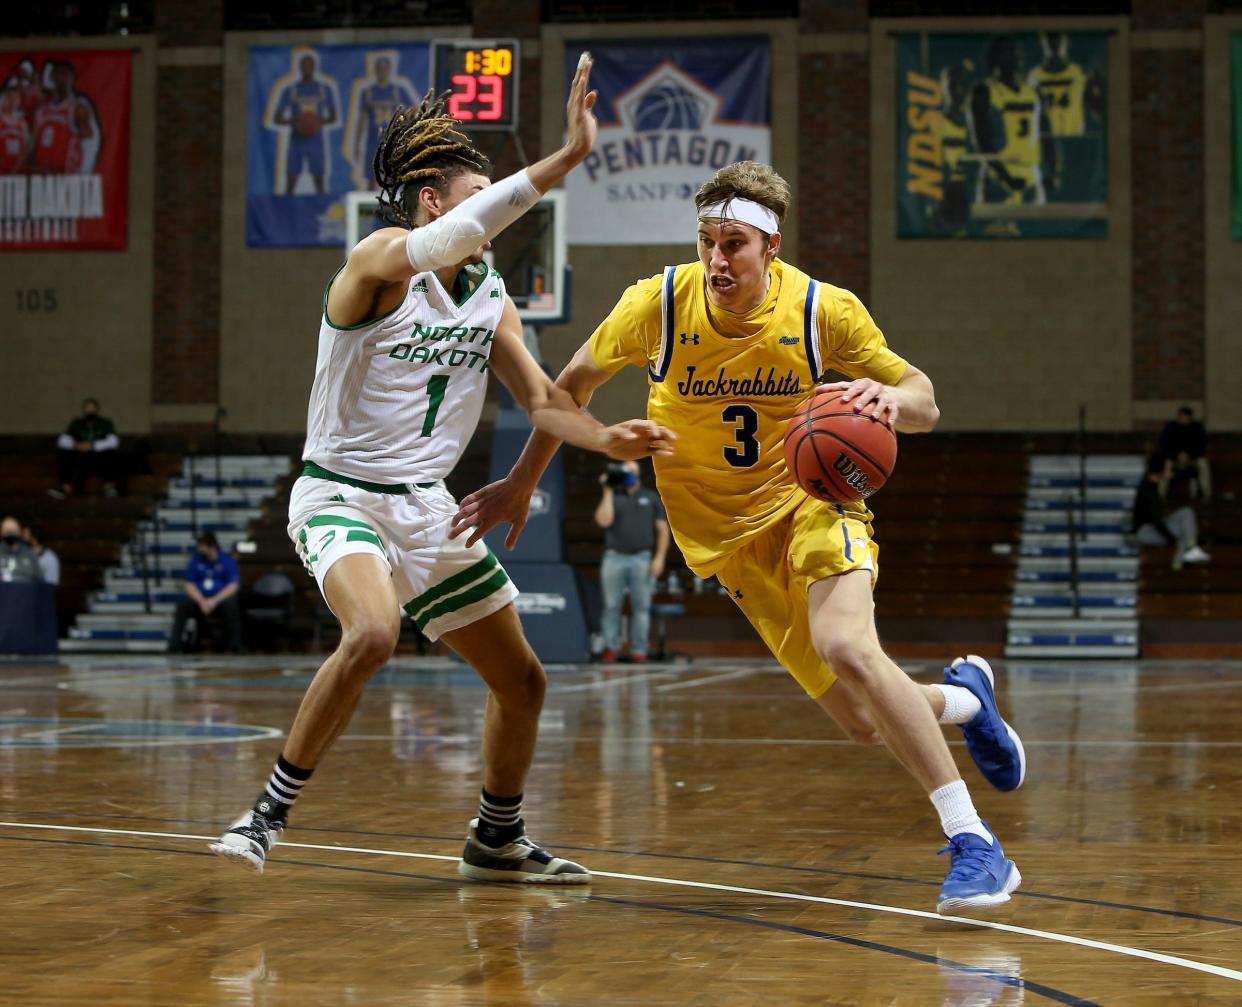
(836,454)
(306,124)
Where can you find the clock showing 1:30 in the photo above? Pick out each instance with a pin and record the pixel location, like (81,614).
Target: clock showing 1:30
(481,76)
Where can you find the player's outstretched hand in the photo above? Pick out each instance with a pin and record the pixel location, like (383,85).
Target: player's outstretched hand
(636,439)
(494,504)
(581,125)
(869,397)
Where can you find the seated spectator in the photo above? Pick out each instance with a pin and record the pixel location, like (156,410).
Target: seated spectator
(86,448)
(18,564)
(49,562)
(1151,526)
(1183,442)
(212,581)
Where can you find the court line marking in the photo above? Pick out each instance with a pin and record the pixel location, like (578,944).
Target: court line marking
(606,683)
(691,858)
(983,972)
(1047,935)
(723,676)
(549,737)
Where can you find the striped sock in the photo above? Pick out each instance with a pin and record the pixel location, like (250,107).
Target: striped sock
(283,787)
(500,819)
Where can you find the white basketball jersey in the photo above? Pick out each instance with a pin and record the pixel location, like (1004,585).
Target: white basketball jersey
(396,399)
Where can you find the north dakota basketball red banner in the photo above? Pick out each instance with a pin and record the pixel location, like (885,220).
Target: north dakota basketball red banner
(670,115)
(315,118)
(64,149)
(1002,136)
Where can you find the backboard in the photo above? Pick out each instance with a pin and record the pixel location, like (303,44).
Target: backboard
(530,254)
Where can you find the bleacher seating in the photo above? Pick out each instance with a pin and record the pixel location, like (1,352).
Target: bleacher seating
(949,525)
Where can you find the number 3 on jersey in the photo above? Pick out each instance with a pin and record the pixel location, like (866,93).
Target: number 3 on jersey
(746,425)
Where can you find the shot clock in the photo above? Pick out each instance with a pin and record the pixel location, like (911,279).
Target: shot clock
(481,76)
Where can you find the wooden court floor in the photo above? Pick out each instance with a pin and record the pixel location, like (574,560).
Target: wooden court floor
(745,854)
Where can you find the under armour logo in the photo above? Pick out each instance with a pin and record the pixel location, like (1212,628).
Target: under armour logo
(689,339)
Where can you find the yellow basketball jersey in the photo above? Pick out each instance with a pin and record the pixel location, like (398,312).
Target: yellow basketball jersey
(1061,92)
(1019,114)
(729,399)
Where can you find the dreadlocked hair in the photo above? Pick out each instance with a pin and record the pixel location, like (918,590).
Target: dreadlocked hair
(421,146)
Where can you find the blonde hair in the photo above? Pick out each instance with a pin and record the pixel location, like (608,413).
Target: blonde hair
(746,180)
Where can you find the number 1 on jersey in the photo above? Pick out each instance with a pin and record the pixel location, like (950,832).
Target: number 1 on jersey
(747,452)
(435,395)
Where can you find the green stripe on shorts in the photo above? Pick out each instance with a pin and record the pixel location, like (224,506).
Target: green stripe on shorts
(358,535)
(329,520)
(465,599)
(454,583)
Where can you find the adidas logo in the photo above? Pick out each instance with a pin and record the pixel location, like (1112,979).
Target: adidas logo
(420,287)
(788,340)
(495,293)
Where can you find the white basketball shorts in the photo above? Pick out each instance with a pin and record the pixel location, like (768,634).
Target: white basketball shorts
(440,583)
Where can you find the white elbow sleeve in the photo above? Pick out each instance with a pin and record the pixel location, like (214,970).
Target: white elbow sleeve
(455,236)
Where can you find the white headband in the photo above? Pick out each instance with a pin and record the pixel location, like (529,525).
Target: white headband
(745,210)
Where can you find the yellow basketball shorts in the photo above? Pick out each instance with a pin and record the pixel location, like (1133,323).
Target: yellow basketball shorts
(769,578)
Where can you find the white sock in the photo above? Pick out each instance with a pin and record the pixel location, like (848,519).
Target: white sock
(957,811)
(960,705)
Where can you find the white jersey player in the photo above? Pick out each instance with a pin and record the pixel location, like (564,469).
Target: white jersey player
(412,326)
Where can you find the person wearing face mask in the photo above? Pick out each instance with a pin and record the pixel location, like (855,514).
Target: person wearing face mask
(18,563)
(733,344)
(49,562)
(212,581)
(86,448)
(636,540)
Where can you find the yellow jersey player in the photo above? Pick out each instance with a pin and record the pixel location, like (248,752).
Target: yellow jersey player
(733,343)
(1006,122)
(1062,86)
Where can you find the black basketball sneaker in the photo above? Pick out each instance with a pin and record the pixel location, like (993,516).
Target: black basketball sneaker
(520,862)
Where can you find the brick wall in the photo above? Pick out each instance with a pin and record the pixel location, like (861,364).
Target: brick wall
(185,306)
(1167,196)
(832,197)
(832,16)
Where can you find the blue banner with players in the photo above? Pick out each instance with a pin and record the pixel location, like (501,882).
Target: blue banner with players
(315,116)
(671,113)
(1002,136)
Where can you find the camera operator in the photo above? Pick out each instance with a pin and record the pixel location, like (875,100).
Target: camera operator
(636,541)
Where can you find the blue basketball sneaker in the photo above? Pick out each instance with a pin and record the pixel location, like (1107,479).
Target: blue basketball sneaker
(993,744)
(979,875)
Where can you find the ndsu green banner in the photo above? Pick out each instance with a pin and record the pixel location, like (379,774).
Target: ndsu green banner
(1002,136)
(1236,48)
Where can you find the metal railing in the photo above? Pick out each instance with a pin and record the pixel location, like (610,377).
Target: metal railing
(1073,555)
(1078,530)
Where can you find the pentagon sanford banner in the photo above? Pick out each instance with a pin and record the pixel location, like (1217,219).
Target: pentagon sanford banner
(1002,136)
(314,120)
(671,113)
(64,149)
